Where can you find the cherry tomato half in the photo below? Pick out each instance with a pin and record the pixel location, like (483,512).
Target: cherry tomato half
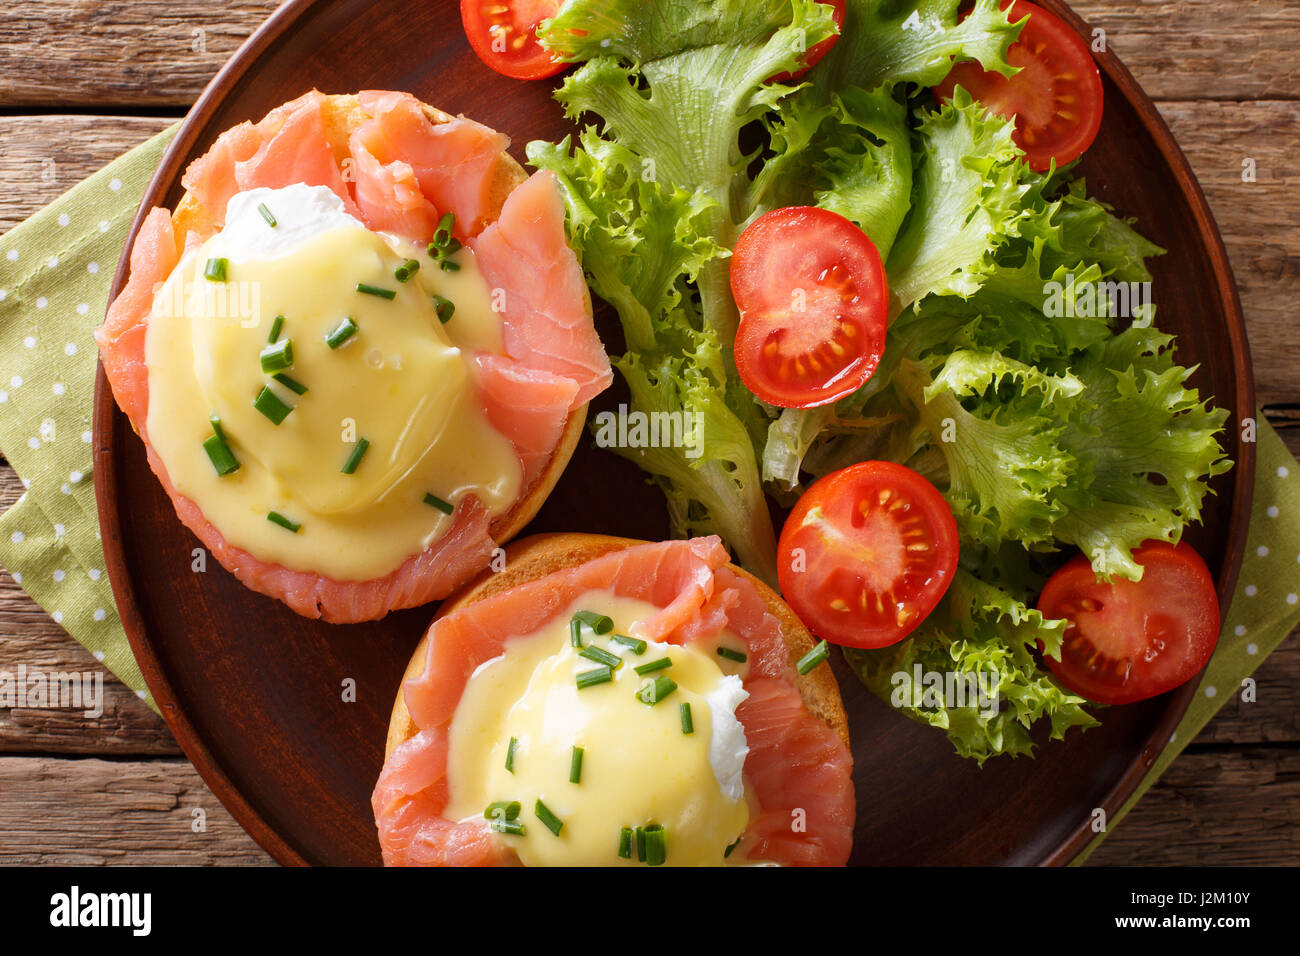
(867,554)
(814,307)
(817,52)
(504,35)
(1130,640)
(1056,98)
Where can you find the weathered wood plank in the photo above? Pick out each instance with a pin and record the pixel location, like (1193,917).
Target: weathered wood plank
(162,52)
(1260,221)
(137,53)
(1203,49)
(1214,808)
(30,639)
(42,157)
(93,812)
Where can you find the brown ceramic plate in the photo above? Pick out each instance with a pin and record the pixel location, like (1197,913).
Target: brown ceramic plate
(254,693)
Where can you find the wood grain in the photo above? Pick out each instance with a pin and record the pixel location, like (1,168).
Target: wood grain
(45,156)
(130,52)
(93,812)
(148,53)
(1260,221)
(1219,807)
(1203,49)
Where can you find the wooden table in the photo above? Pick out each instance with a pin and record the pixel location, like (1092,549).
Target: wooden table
(81,82)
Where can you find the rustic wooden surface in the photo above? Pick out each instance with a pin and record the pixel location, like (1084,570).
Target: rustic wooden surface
(81,82)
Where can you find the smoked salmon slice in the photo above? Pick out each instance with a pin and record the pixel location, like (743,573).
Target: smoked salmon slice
(798,767)
(546,298)
(404,172)
(289,146)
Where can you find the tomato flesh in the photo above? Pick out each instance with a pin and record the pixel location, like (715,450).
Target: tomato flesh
(504,35)
(867,554)
(817,52)
(1056,98)
(814,307)
(1126,640)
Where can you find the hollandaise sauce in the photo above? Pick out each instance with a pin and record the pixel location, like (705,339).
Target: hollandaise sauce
(310,388)
(584,745)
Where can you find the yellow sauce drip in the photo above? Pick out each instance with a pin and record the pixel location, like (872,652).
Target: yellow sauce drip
(638,766)
(402,383)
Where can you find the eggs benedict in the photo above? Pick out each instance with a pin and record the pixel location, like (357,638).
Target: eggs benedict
(359,352)
(602,701)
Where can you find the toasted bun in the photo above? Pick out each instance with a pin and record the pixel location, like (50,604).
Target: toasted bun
(343,115)
(537,556)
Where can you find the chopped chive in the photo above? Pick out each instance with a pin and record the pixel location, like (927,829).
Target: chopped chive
(445,226)
(433,501)
(341,333)
(651,666)
(656,691)
(354,459)
(575,766)
(575,632)
(293,385)
(597,622)
(656,845)
(549,819)
(625,838)
(367,289)
(270,405)
(688,723)
(449,266)
(217,270)
(738,656)
(222,458)
(276,326)
(640,844)
(407,269)
(601,656)
(601,675)
(817,655)
(503,810)
(445,307)
(510,754)
(266,214)
(278,357)
(731,846)
(276,518)
(215,419)
(513,827)
(638,646)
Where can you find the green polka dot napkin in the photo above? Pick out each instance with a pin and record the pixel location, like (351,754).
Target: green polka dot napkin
(55,271)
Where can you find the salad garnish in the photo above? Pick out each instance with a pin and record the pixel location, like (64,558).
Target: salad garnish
(1022,374)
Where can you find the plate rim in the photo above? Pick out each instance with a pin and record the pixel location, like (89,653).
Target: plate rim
(107,422)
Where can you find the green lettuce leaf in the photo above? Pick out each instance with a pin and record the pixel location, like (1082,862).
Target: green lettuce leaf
(1139,422)
(888,42)
(966,200)
(982,632)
